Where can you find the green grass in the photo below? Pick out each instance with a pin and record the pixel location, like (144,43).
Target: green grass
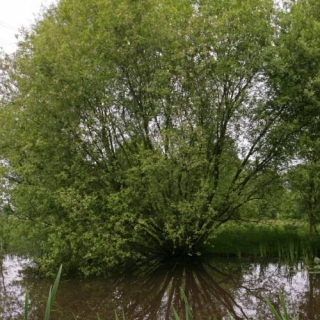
(51,297)
(284,315)
(287,241)
(188,313)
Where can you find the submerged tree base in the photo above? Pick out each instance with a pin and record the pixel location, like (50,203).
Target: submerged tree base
(284,240)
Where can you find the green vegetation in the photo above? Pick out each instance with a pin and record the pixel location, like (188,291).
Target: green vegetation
(284,240)
(16,237)
(51,297)
(124,139)
(284,315)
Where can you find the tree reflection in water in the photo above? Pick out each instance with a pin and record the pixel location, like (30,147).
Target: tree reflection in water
(206,287)
(209,290)
(214,289)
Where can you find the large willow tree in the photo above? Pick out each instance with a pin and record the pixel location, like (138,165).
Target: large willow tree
(133,129)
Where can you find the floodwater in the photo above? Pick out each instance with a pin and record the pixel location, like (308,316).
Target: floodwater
(214,290)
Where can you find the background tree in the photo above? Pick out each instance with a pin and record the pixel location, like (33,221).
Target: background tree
(297,83)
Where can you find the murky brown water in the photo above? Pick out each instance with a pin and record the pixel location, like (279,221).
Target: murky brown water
(213,290)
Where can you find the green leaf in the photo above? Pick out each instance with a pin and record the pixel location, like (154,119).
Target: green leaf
(176,316)
(273,310)
(52,294)
(284,307)
(188,312)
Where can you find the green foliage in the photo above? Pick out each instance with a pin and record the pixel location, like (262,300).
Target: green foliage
(276,314)
(52,294)
(287,241)
(51,297)
(304,180)
(126,138)
(188,311)
(16,236)
(300,47)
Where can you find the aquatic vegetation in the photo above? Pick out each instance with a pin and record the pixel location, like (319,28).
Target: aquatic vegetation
(116,316)
(278,315)
(188,313)
(51,297)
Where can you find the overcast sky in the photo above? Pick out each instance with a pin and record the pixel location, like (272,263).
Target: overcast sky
(13,15)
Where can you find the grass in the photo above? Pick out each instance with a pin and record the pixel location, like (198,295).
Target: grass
(51,297)
(287,241)
(188,313)
(278,315)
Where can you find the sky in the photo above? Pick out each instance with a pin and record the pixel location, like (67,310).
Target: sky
(13,15)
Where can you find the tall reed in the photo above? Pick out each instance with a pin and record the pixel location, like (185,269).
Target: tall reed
(278,315)
(51,297)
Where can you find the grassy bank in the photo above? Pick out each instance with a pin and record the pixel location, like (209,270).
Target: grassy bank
(285,240)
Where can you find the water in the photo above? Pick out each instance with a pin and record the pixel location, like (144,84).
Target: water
(213,288)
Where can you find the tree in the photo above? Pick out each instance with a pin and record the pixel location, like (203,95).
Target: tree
(305,180)
(131,138)
(297,84)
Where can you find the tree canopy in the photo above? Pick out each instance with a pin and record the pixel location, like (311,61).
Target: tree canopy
(132,129)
